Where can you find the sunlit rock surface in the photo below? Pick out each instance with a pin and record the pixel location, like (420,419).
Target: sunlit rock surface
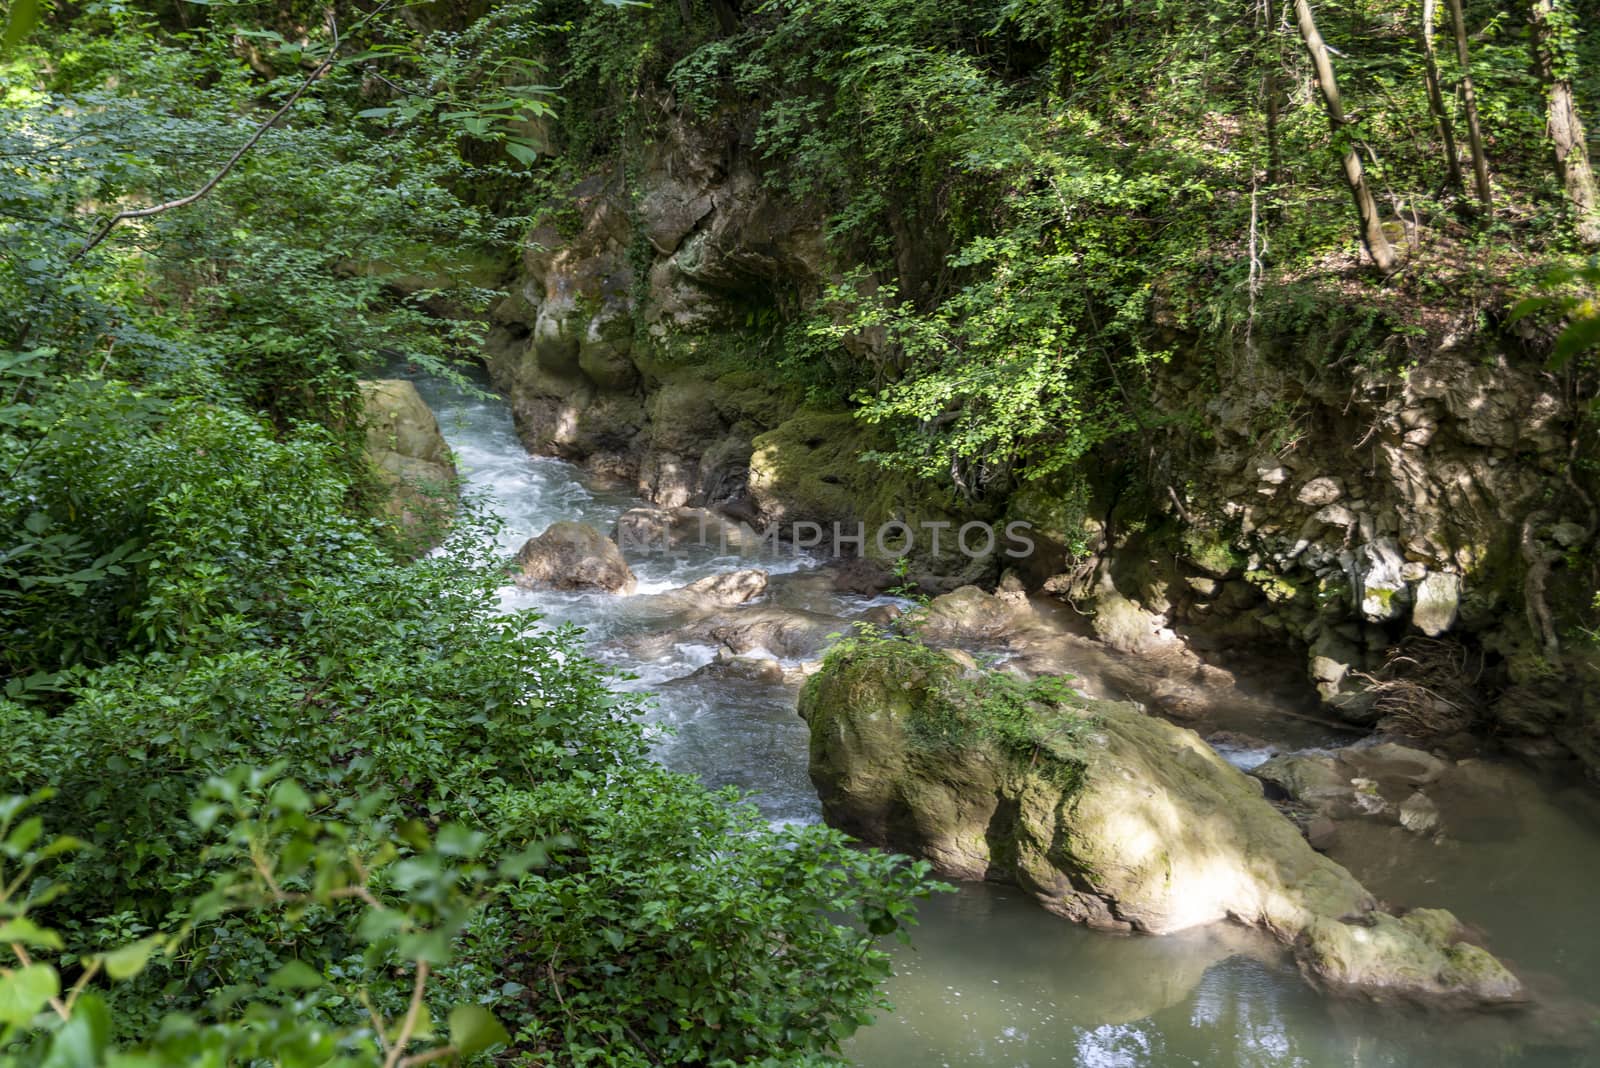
(1109,817)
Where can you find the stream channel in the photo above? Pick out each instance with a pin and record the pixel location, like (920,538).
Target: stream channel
(990,978)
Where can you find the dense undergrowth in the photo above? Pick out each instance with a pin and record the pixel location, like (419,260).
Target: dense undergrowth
(294,797)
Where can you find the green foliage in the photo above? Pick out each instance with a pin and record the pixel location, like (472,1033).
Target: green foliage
(1046,202)
(905,586)
(280,855)
(1568,294)
(332,807)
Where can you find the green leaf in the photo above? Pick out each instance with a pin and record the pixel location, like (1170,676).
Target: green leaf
(290,796)
(1580,337)
(24,16)
(474,1029)
(296,975)
(83,1040)
(130,960)
(1528,306)
(28,933)
(25,992)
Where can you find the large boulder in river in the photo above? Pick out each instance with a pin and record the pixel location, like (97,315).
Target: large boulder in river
(573,556)
(411,460)
(1105,815)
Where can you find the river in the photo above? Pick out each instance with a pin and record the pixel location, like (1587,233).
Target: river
(991,979)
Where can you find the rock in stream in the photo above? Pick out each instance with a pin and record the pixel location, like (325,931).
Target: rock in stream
(1108,817)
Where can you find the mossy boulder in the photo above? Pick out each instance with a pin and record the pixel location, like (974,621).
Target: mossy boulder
(411,460)
(1417,954)
(811,467)
(1107,816)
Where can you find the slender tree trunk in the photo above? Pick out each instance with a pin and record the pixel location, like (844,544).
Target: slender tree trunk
(1372,235)
(1552,59)
(1274,141)
(1441,115)
(1469,104)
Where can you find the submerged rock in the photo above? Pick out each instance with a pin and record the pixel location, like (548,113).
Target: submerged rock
(1105,815)
(573,556)
(1375,781)
(766,629)
(665,529)
(725,590)
(970,614)
(779,631)
(762,669)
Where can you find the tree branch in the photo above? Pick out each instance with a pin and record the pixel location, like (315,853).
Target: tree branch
(413,1015)
(143,213)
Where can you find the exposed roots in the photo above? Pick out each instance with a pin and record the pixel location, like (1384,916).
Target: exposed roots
(1428,687)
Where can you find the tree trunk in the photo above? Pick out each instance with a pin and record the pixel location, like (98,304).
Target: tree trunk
(1274,139)
(727,12)
(1469,104)
(1441,116)
(1372,235)
(1552,53)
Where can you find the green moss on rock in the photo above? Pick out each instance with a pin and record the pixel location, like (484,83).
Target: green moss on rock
(1105,815)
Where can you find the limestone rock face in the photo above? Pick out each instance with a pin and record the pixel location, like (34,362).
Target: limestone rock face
(574,556)
(409,453)
(1426,528)
(1106,816)
(603,371)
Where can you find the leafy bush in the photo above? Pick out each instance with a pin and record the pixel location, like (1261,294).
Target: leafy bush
(329,806)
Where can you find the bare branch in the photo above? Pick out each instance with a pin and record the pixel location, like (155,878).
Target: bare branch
(141,213)
(413,1015)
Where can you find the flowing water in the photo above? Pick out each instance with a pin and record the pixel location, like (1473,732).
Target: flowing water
(991,979)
